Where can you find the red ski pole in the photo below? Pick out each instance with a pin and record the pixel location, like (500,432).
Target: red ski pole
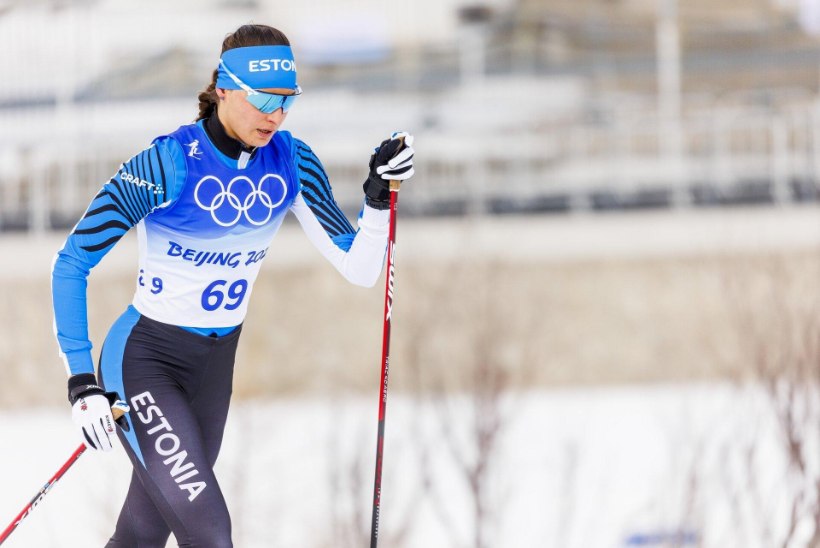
(42,493)
(117,413)
(388,312)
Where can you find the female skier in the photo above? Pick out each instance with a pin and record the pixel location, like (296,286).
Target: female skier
(207,200)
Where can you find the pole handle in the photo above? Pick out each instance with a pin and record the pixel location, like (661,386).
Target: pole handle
(396,185)
(117,412)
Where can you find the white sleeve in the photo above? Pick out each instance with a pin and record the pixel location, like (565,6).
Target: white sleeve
(362,263)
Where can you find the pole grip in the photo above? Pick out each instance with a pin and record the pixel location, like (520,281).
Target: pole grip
(395,186)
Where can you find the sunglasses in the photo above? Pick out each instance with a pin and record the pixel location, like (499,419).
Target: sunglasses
(264,102)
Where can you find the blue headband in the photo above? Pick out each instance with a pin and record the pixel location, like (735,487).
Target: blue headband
(259,67)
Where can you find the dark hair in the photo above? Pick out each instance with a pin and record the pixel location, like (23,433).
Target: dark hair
(244,36)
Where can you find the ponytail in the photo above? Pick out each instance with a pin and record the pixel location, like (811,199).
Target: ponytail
(208,100)
(244,36)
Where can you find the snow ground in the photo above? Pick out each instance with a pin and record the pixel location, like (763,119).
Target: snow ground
(602,467)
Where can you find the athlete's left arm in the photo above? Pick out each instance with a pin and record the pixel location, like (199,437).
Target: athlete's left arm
(357,254)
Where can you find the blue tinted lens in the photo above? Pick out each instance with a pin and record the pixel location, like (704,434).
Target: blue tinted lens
(288,101)
(269,102)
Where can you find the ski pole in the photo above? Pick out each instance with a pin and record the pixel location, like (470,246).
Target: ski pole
(388,311)
(117,411)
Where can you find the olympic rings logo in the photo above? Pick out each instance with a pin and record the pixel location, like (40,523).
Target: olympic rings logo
(227,205)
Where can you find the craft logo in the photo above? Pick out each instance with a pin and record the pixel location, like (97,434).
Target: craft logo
(134,180)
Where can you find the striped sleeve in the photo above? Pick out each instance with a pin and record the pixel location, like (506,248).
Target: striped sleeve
(137,188)
(319,197)
(357,254)
(144,183)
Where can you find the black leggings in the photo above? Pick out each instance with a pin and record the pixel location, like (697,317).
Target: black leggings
(178,385)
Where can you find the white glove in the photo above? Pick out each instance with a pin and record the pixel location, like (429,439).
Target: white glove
(92,414)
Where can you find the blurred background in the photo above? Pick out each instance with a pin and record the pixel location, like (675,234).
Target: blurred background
(606,326)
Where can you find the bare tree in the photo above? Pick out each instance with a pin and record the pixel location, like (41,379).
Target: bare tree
(776,309)
(467,356)
(351,483)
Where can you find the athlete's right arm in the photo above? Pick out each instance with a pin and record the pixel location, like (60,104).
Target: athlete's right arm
(147,181)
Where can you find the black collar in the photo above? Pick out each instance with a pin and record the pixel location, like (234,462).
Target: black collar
(226,144)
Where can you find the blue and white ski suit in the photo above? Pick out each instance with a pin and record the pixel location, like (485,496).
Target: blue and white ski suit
(206,210)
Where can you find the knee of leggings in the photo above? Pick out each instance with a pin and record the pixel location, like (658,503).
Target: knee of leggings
(208,537)
(145,537)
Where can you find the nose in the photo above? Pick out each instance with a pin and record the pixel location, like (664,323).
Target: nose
(277,116)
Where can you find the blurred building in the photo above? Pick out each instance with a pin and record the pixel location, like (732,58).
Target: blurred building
(521,106)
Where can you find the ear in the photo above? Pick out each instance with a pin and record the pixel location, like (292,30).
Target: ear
(220,94)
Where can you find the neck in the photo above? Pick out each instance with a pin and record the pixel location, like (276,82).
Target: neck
(227,145)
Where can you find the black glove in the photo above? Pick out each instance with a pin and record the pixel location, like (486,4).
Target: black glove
(392,161)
